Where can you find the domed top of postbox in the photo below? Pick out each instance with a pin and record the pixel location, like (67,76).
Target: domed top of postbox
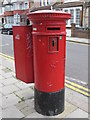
(48,15)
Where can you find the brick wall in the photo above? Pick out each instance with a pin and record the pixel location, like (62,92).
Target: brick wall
(76,32)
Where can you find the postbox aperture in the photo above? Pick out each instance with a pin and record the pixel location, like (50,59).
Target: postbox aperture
(53,44)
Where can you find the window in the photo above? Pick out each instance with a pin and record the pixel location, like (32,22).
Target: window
(16,19)
(20,6)
(48,2)
(45,2)
(26,5)
(14,6)
(11,8)
(23,18)
(77,16)
(67,20)
(7,8)
(9,19)
(41,3)
(72,16)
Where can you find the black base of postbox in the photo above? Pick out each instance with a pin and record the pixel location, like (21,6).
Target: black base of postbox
(49,104)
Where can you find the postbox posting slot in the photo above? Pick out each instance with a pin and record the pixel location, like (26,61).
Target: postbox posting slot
(53,28)
(53,44)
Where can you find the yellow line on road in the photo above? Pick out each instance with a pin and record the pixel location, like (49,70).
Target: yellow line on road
(77,90)
(6,56)
(78,86)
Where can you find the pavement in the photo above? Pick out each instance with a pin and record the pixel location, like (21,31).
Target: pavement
(17,98)
(78,40)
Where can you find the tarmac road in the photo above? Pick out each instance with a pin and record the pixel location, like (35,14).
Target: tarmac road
(76,58)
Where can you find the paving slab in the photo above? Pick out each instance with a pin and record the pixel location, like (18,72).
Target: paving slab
(0,113)
(1,85)
(0,95)
(1,67)
(7,75)
(27,111)
(21,105)
(12,112)
(9,100)
(7,63)
(23,85)
(78,114)
(9,89)
(9,81)
(69,92)
(1,77)
(1,59)
(26,93)
(37,115)
(0,102)
(26,107)
(30,107)
(6,70)
(77,99)
(30,102)
(68,108)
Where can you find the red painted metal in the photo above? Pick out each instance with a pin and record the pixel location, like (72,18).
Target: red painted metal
(49,44)
(23,53)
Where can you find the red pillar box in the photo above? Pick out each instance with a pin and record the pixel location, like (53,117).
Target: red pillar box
(49,43)
(23,53)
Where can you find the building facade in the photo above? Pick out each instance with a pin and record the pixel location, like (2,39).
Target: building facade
(14,11)
(80,13)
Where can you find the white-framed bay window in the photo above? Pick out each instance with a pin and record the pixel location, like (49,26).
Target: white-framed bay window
(75,15)
(9,19)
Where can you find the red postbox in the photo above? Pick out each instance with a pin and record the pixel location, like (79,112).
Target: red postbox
(23,53)
(49,44)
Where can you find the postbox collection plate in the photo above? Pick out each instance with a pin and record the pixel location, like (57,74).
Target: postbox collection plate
(53,44)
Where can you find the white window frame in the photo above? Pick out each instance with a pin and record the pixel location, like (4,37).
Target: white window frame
(89,17)
(17,19)
(72,16)
(26,7)
(78,18)
(20,6)
(74,8)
